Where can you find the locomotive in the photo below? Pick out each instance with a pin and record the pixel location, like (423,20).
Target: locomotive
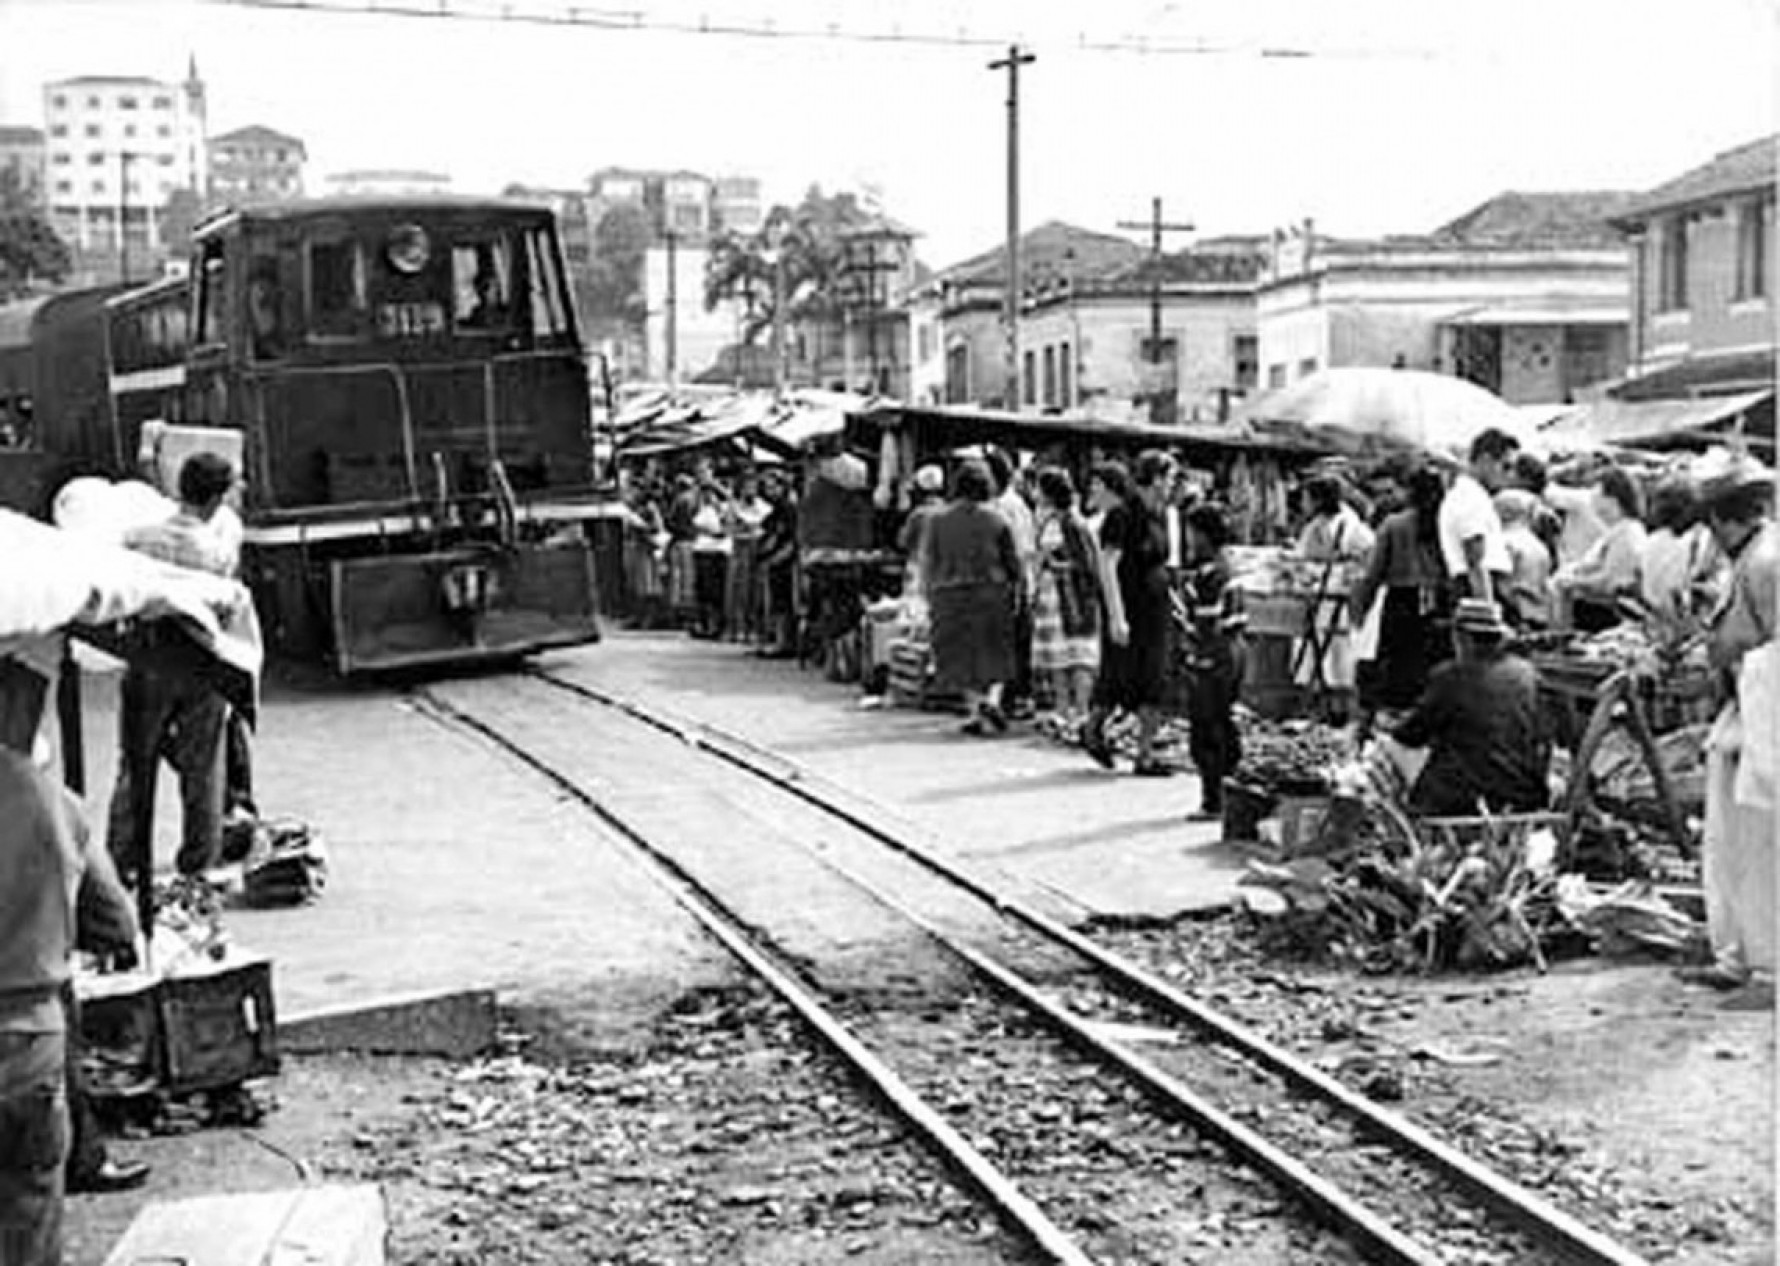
(404,384)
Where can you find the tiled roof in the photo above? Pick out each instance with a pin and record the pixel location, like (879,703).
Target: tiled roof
(1539,219)
(254,134)
(1202,264)
(1047,249)
(1740,170)
(115,81)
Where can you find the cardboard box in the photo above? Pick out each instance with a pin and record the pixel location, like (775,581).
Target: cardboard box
(333,1225)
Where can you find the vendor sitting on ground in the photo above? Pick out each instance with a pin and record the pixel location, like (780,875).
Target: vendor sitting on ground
(1479,718)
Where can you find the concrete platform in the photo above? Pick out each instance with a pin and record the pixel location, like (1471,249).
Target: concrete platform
(1105,844)
(451,872)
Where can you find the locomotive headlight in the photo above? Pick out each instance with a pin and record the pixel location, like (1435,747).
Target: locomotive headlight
(408,248)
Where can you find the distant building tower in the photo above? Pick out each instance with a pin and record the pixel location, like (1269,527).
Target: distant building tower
(255,165)
(197,128)
(22,154)
(116,148)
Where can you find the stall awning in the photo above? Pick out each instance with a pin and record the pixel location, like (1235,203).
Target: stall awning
(52,580)
(1541,314)
(1660,423)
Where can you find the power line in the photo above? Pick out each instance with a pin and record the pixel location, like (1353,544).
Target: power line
(763,28)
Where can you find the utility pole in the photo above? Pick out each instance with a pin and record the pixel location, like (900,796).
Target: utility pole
(1011,304)
(123,206)
(779,317)
(1162,401)
(673,312)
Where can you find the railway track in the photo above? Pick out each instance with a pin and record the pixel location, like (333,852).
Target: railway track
(1149,1093)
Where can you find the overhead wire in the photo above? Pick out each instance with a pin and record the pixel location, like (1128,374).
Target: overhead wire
(640,20)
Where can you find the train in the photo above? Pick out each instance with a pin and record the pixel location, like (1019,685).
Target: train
(403,384)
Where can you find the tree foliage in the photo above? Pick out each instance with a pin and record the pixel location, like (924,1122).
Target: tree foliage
(810,263)
(615,265)
(31,255)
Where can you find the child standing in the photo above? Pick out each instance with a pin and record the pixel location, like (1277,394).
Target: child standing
(1215,622)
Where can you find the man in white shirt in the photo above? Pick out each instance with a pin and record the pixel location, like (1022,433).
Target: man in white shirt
(1473,544)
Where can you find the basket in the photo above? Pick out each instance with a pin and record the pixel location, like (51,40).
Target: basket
(1245,808)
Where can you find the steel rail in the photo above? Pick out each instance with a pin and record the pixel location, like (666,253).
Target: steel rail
(1551,1227)
(1015,1206)
(1372,1234)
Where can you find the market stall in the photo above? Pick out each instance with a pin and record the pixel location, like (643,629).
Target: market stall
(197,1012)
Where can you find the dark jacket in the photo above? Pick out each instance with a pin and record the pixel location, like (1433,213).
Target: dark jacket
(1487,738)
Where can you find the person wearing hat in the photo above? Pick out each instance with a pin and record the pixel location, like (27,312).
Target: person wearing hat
(1480,719)
(1737,857)
(927,490)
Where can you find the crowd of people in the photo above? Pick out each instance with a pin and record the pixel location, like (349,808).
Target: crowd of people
(1123,597)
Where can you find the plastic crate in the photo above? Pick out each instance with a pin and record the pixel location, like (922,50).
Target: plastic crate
(219,1024)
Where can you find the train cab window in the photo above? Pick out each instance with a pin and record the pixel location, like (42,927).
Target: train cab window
(338,296)
(549,308)
(211,297)
(482,285)
(265,308)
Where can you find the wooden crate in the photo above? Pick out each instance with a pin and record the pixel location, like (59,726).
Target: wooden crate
(219,1024)
(120,1029)
(334,1225)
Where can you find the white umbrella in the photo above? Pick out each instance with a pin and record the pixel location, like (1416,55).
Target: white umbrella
(1361,409)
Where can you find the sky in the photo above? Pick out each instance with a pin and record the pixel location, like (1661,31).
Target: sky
(1405,113)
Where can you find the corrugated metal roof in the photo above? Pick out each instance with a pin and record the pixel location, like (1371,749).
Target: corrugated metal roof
(1745,169)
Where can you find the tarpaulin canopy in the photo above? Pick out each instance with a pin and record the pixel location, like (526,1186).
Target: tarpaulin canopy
(53,579)
(943,427)
(1364,410)
(780,423)
(1681,423)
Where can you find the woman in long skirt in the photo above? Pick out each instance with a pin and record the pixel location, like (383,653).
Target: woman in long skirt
(1414,634)
(969,567)
(1134,588)
(1066,604)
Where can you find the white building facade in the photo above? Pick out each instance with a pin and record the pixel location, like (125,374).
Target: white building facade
(115,150)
